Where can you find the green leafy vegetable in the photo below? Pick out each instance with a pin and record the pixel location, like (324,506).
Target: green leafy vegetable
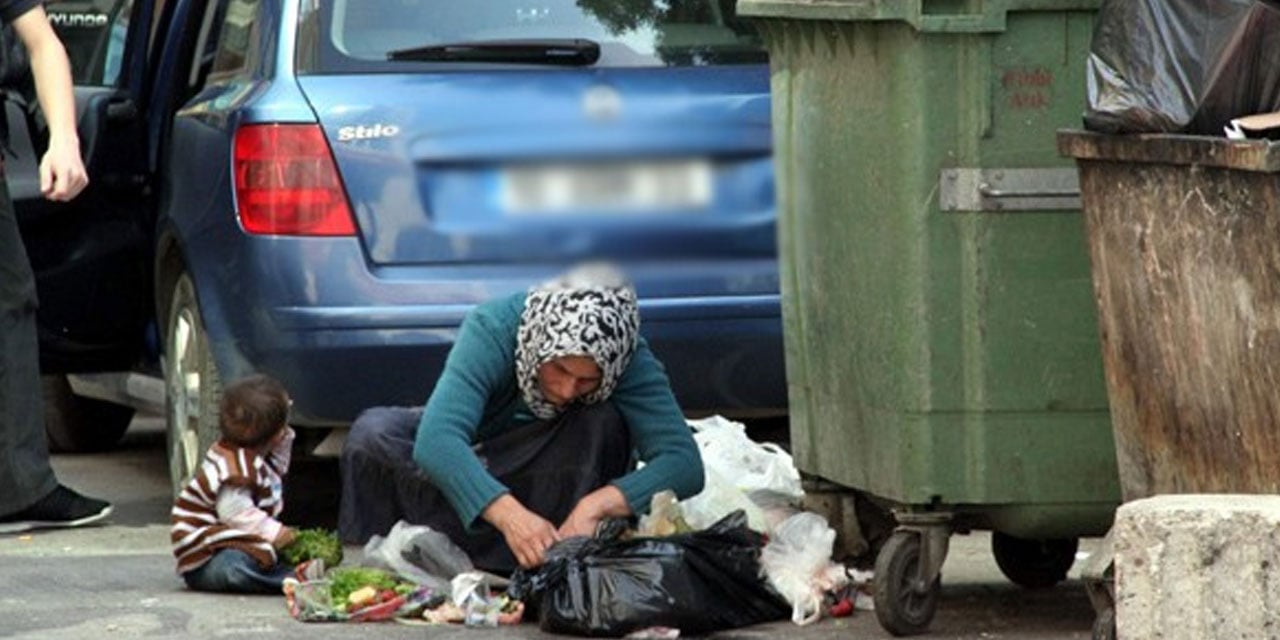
(314,543)
(344,580)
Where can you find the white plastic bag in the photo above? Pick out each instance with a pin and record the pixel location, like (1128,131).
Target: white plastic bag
(718,498)
(738,468)
(753,466)
(797,563)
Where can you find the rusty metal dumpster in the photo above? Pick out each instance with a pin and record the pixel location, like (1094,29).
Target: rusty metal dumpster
(941,341)
(1184,238)
(1184,235)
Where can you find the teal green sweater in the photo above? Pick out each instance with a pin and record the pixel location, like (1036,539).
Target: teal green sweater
(477,398)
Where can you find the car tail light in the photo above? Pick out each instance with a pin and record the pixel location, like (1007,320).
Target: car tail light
(287,183)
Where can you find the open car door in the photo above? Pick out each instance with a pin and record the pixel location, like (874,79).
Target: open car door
(91,256)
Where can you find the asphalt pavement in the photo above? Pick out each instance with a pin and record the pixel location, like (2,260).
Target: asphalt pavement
(117,581)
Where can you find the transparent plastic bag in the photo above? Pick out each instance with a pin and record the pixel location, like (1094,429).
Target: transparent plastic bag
(310,601)
(419,554)
(720,497)
(797,563)
(665,517)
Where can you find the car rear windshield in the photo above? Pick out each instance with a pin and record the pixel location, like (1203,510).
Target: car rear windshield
(342,36)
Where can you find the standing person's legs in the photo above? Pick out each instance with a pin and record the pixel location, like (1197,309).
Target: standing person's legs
(32,497)
(24,454)
(234,571)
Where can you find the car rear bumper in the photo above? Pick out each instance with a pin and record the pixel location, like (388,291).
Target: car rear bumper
(723,354)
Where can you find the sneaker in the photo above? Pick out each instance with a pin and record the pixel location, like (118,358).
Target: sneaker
(61,508)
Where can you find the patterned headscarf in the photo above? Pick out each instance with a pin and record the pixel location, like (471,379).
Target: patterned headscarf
(589,311)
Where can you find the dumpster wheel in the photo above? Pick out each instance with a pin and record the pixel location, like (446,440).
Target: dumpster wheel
(1034,564)
(905,600)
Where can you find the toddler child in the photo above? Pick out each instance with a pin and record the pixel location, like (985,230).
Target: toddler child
(225,534)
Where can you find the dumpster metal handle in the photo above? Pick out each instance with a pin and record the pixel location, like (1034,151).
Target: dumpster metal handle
(990,192)
(1009,190)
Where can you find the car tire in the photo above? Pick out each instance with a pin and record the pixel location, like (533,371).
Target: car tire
(76,424)
(193,387)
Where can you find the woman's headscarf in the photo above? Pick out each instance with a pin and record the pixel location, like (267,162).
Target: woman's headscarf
(589,311)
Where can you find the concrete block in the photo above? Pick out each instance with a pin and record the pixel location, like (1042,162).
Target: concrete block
(1199,567)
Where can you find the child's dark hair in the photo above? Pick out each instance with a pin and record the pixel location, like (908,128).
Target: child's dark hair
(253,410)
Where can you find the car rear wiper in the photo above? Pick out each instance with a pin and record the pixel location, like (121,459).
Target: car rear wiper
(573,52)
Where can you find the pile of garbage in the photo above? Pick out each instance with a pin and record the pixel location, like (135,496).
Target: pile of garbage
(761,479)
(615,583)
(740,553)
(366,594)
(412,575)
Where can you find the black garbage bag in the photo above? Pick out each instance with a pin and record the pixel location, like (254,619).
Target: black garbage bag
(696,582)
(1182,66)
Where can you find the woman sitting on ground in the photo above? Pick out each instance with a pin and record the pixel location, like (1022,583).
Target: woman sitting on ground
(532,431)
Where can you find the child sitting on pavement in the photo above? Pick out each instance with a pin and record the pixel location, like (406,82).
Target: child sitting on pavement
(225,534)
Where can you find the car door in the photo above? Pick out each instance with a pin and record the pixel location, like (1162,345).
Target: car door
(91,256)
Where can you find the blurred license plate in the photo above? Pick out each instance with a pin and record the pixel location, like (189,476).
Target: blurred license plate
(619,187)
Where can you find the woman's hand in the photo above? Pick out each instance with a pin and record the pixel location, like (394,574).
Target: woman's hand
(527,534)
(605,502)
(579,523)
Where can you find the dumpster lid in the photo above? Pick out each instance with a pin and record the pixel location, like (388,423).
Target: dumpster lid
(1158,148)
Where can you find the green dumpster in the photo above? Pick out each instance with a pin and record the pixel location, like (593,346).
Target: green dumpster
(941,337)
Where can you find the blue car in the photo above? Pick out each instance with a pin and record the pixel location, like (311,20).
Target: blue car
(321,190)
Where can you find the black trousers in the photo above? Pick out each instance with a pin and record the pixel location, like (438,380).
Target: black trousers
(548,466)
(25,474)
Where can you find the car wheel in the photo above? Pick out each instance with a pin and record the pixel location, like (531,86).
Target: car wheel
(75,424)
(192,385)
